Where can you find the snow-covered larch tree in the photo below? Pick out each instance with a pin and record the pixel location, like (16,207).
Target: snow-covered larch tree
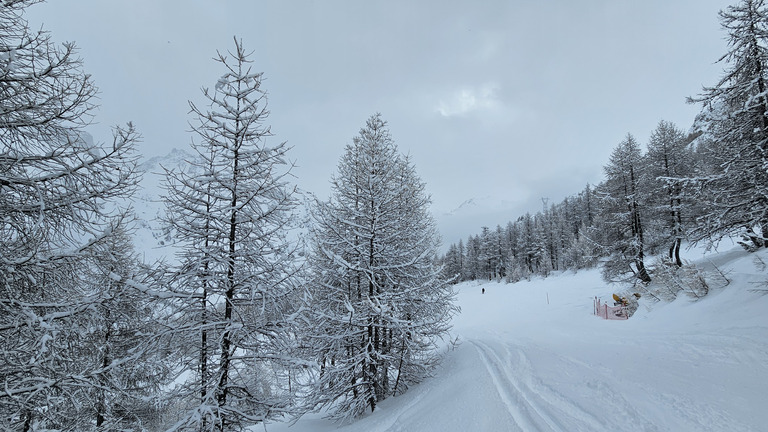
(736,112)
(379,304)
(668,161)
(121,343)
(624,208)
(230,216)
(57,215)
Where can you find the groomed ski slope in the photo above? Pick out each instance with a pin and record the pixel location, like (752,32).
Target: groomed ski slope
(527,365)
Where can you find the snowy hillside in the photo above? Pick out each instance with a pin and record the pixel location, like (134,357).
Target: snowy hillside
(532,357)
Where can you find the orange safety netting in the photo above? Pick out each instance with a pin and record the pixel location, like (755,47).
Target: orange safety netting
(610,312)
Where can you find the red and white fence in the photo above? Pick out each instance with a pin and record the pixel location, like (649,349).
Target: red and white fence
(610,312)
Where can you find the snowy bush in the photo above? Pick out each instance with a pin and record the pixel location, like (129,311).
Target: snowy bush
(670,280)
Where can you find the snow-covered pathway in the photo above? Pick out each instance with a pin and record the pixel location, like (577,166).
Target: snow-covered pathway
(682,367)
(532,357)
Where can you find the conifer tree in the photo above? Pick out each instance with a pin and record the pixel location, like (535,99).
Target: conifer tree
(379,303)
(122,342)
(230,215)
(452,264)
(624,207)
(462,257)
(736,111)
(58,191)
(668,161)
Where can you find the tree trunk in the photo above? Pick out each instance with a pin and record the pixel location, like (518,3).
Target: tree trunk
(203,355)
(226,339)
(101,404)
(637,229)
(674,248)
(27,421)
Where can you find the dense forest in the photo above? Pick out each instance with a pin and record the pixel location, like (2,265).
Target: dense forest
(248,322)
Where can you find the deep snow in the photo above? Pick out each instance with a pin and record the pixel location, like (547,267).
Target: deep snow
(525,364)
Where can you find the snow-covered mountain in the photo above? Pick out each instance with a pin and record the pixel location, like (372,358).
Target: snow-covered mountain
(468,217)
(533,357)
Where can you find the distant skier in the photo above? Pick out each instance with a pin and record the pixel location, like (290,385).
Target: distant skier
(483,290)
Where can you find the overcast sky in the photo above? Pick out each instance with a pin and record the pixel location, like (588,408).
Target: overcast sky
(506,102)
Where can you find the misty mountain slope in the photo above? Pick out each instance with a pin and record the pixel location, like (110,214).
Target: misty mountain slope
(532,357)
(151,236)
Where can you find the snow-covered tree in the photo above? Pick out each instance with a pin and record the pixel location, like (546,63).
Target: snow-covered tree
(121,342)
(230,214)
(539,247)
(736,111)
(624,207)
(189,204)
(379,304)
(501,248)
(490,256)
(473,258)
(567,235)
(462,257)
(669,160)
(452,264)
(528,244)
(57,212)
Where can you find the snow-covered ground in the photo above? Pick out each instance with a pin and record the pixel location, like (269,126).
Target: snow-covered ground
(532,357)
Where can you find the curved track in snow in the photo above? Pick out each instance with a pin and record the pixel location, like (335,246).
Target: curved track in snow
(533,407)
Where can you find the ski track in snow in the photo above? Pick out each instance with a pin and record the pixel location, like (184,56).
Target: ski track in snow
(527,407)
(524,413)
(576,414)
